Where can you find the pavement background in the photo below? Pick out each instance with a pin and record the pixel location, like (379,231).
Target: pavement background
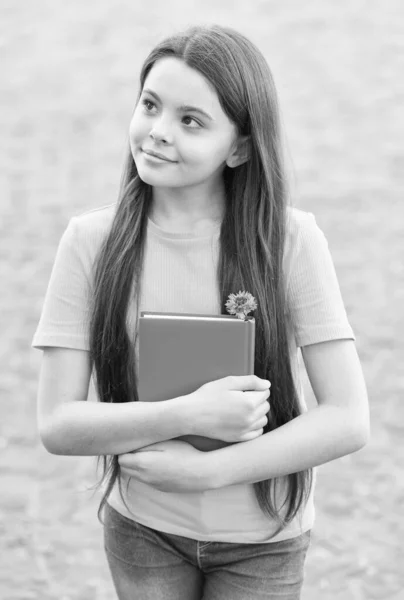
(67,93)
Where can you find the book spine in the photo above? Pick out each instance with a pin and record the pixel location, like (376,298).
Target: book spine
(250,345)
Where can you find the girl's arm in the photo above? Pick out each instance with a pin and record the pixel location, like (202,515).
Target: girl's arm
(70,425)
(338,426)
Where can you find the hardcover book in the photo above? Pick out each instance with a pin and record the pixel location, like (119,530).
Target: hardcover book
(179,352)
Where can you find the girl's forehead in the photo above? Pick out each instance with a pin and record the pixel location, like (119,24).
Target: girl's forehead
(175,81)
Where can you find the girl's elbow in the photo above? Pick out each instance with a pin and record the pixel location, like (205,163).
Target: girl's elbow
(361,434)
(50,444)
(52,441)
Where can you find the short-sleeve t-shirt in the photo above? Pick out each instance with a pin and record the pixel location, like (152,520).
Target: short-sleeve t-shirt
(179,275)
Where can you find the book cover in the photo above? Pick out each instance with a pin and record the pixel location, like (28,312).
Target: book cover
(179,352)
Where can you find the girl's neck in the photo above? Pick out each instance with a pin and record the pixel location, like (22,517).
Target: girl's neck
(186,215)
(176,225)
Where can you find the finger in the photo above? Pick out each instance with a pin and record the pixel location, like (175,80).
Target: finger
(260,423)
(257,398)
(247,382)
(264,396)
(121,460)
(131,470)
(262,410)
(127,460)
(251,435)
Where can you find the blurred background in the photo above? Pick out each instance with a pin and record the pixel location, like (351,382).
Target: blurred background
(67,93)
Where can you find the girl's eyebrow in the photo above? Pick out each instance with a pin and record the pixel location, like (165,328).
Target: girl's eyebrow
(183,107)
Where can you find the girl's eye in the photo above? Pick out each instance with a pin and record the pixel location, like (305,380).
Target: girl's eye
(149,105)
(194,120)
(146,103)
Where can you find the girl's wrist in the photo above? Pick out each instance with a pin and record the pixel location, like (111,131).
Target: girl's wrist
(205,470)
(178,412)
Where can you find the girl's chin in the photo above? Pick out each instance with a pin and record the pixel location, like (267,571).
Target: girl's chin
(155,178)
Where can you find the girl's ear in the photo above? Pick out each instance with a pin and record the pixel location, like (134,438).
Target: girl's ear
(241,152)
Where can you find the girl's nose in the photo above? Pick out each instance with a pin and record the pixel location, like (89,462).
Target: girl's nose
(158,136)
(160,131)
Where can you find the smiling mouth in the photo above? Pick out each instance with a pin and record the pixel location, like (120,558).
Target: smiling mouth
(157,155)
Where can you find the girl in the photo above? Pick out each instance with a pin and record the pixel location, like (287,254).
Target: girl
(202,213)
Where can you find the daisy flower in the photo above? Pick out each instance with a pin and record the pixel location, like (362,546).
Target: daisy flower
(241,304)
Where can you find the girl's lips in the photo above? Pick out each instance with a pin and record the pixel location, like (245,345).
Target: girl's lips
(157,155)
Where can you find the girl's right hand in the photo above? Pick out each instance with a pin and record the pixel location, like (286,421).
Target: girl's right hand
(232,409)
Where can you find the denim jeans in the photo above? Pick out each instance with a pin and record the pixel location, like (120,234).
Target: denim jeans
(147,564)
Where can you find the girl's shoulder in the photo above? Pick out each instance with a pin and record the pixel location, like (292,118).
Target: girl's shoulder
(301,226)
(86,232)
(95,222)
(299,222)
(90,228)
(302,234)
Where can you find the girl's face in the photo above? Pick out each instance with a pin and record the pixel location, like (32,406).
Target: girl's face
(170,119)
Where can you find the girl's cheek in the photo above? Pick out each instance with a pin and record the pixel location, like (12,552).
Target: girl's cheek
(133,131)
(137,128)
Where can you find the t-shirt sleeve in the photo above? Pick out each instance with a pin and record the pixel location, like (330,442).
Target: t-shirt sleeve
(64,320)
(316,306)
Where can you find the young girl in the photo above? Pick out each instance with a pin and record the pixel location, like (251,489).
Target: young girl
(202,213)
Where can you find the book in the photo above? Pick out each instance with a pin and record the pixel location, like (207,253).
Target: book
(180,352)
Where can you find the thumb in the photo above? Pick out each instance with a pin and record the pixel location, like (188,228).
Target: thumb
(248,382)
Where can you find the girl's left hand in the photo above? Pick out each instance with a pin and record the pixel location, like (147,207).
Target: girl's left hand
(169,466)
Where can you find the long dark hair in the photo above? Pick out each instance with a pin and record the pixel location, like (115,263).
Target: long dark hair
(252,239)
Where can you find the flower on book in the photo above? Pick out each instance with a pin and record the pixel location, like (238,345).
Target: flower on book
(241,304)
